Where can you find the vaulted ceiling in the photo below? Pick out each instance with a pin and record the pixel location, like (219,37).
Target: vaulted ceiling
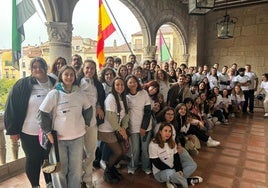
(222,4)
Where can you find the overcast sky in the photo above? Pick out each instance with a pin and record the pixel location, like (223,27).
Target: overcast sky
(85,21)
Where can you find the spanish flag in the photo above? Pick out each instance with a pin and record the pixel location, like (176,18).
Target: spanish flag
(105,29)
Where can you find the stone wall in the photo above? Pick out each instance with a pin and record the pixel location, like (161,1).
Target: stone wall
(250,42)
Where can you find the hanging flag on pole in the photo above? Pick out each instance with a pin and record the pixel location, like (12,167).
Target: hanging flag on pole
(163,49)
(105,29)
(22,10)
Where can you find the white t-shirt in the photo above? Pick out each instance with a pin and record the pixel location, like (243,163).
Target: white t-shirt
(223,78)
(87,86)
(165,154)
(252,76)
(110,105)
(242,80)
(237,98)
(163,89)
(106,88)
(69,121)
(39,92)
(136,105)
(197,77)
(264,85)
(213,81)
(227,100)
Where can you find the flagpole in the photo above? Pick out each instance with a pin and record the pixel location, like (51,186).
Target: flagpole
(42,8)
(119,27)
(166,44)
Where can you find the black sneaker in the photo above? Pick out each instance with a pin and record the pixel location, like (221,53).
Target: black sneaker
(96,164)
(109,176)
(194,180)
(116,173)
(83,185)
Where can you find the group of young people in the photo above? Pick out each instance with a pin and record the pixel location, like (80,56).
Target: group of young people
(125,111)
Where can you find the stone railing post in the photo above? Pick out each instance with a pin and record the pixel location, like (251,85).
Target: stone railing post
(2,140)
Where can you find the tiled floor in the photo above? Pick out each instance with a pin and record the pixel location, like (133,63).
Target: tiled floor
(240,162)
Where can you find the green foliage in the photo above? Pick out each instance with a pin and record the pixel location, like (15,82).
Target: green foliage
(5,87)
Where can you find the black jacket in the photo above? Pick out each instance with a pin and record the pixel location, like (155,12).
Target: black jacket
(17,104)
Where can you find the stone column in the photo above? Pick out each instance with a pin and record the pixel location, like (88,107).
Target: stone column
(149,52)
(2,141)
(60,40)
(184,58)
(196,40)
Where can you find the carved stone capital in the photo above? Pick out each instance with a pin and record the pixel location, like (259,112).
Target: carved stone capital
(185,57)
(149,52)
(59,32)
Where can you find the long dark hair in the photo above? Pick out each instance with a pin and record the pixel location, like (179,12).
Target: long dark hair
(154,84)
(116,96)
(103,72)
(180,120)
(136,79)
(54,65)
(158,139)
(161,115)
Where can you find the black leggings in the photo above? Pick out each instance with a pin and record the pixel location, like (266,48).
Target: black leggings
(35,156)
(116,155)
(200,134)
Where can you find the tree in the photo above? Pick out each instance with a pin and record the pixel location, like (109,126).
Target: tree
(5,87)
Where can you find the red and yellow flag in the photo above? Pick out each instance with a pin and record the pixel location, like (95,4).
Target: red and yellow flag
(105,29)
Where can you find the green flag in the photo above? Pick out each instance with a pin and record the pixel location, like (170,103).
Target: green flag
(163,49)
(22,10)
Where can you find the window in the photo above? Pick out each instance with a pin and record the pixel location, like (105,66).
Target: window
(8,63)
(23,64)
(138,44)
(24,74)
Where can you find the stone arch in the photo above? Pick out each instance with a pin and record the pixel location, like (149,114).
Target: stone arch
(59,11)
(173,15)
(180,50)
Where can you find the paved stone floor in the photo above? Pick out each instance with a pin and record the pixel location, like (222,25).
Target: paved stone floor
(240,162)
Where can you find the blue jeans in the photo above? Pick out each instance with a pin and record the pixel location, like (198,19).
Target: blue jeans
(139,147)
(170,175)
(187,163)
(71,156)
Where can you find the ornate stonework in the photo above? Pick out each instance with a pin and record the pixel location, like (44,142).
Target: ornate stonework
(149,52)
(59,32)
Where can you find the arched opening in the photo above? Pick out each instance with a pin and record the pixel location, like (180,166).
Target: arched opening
(174,42)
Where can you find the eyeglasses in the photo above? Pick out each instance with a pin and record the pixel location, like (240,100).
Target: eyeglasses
(75,59)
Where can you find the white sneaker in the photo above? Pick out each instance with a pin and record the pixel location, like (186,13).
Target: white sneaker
(232,115)
(212,143)
(266,115)
(214,119)
(131,171)
(170,185)
(118,165)
(194,180)
(102,164)
(217,123)
(148,172)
